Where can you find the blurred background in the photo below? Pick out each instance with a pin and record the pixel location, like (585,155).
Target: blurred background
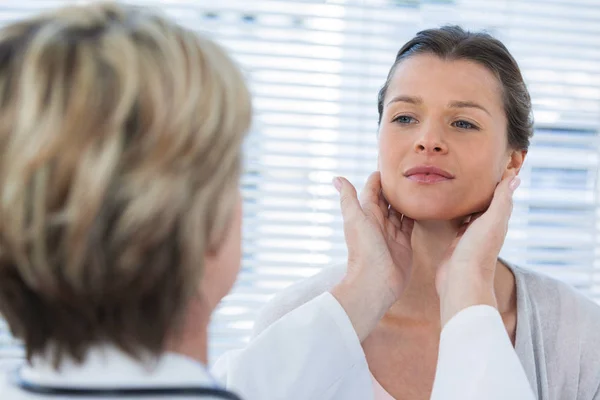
(315,67)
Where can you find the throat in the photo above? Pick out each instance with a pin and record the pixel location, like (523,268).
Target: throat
(420,301)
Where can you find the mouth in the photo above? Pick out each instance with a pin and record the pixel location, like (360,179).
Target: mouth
(428,174)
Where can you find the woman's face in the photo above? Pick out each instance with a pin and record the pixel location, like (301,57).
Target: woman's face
(443,138)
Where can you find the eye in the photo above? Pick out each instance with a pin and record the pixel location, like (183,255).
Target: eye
(404,120)
(462,124)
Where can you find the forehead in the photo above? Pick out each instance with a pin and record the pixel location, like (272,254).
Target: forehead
(433,78)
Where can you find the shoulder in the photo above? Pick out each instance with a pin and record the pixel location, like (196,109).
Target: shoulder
(8,390)
(296,295)
(556,299)
(567,323)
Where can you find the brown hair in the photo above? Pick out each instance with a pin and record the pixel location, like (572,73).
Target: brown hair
(120,152)
(454,43)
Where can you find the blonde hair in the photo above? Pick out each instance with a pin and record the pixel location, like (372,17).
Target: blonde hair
(120,152)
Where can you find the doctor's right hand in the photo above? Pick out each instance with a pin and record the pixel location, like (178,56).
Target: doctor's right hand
(379,254)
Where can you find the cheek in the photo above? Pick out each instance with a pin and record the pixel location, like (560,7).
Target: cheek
(478,169)
(388,164)
(223,268)
(478,191)
(481,173)
(484,165)
(391,150)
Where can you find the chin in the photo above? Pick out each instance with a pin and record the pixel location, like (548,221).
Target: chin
(437,202)
(439,214)
(428,210)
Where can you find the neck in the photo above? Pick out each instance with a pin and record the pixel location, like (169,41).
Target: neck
(192,338)
(420,301)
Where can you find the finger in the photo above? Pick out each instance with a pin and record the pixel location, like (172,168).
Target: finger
(462,229)
(384,205)
(348,199)
(370,194)
(467,222)
(407,225)
(395,218)
(473,217)
(476,216)
(502,202)
(401,221)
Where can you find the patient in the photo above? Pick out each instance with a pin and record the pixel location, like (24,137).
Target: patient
(454,119)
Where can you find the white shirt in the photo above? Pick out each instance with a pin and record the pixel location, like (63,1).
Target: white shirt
(108,367)
(306,355)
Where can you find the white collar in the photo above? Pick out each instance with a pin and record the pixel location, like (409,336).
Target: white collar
(110,367)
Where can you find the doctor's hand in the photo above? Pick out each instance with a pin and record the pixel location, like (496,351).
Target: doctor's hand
(379,254)
(466,277)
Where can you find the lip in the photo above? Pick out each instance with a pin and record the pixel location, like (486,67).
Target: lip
(428,174)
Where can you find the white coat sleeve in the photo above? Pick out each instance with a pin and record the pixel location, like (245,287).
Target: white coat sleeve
(304,355)
(477,360)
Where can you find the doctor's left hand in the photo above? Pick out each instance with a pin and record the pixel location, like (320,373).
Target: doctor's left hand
(466,277)
(379,254)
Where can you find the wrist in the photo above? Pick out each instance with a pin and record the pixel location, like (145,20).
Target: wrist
(463,290)
(377,289)
(364,301)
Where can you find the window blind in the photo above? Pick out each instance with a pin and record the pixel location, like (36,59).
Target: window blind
(315,67)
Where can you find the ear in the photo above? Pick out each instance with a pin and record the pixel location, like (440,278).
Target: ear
(222,262)
(515,162)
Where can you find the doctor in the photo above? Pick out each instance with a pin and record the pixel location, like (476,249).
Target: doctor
(120,221)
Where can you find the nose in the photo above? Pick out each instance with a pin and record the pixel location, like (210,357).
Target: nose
(430,141)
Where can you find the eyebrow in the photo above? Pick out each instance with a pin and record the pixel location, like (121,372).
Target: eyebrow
(453,104)
(468,104)
(406,99)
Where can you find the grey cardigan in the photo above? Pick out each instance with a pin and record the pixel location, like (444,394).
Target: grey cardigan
(557,338)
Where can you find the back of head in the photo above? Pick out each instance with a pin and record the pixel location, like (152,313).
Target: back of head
(120,151)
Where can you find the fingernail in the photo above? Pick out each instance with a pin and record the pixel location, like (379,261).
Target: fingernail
(514,183)
(337,183)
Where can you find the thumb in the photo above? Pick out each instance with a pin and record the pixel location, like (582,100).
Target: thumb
(349,203)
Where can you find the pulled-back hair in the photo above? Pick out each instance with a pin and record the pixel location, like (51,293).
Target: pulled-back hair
(454,43)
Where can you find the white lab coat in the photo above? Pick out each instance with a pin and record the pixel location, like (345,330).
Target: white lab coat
(312,353)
